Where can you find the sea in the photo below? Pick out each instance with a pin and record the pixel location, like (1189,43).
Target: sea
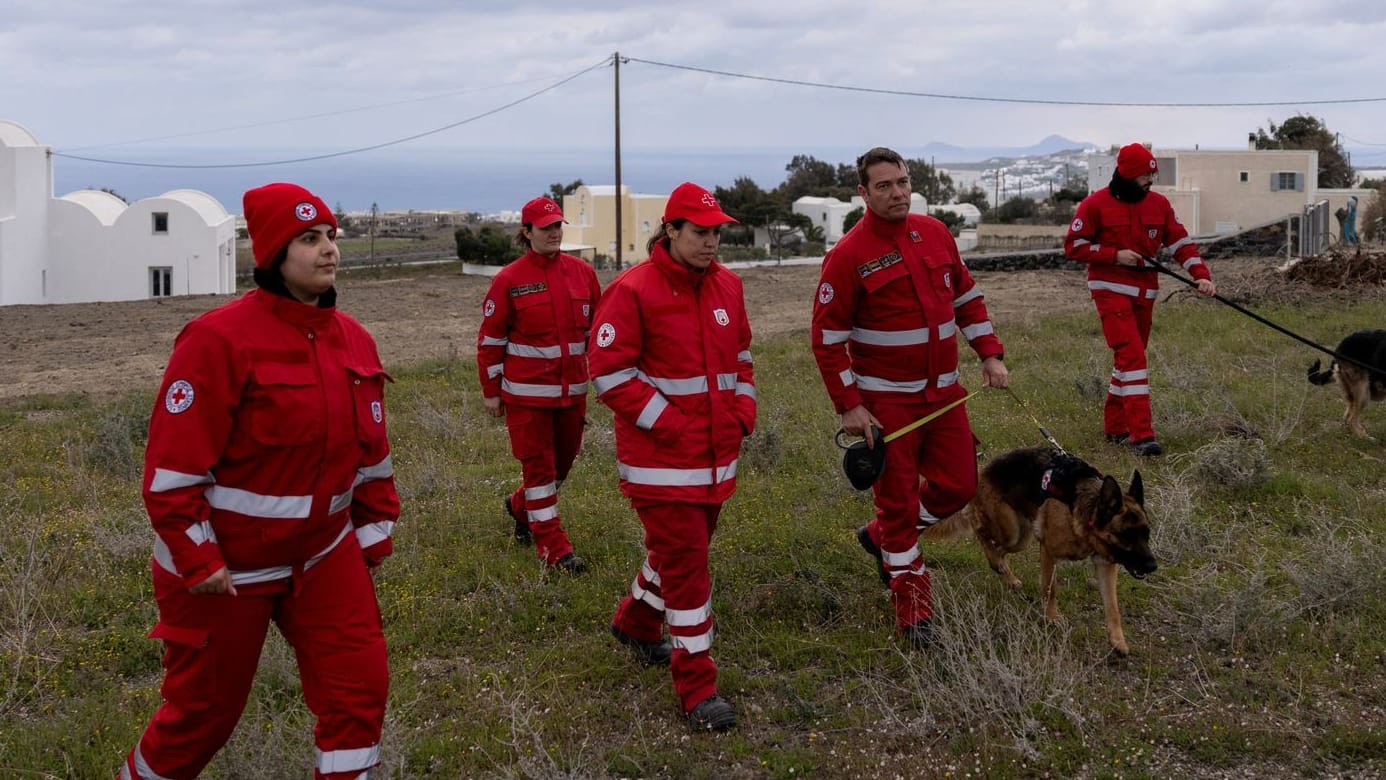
(487,181)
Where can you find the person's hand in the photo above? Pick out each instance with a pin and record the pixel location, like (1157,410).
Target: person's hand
(857,422)
(1128,257)
(493,405)
(995,374)
(219,582)
(1207,287)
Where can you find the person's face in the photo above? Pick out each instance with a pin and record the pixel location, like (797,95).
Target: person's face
(694,245)
(1146,180)
(310,266)
(887,191)
(546,240)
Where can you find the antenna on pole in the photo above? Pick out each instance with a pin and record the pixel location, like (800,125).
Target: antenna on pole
(620,240)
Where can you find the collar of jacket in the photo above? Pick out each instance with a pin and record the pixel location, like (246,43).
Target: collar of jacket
(292,311)
(890,231)
(540,260)
(677,272)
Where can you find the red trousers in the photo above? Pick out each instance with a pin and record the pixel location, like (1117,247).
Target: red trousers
(212,646)
(546,442)
(930,473)
(675,586)
(1126,326)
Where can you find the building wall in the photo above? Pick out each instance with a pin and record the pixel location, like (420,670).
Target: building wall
(25,183)
(591,214)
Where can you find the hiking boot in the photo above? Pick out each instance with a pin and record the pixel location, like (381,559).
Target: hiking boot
(921,635)
(571,564)
(522,533)
(1146,448)
(712,714)
(864,539)
(1117,438)
(649,653)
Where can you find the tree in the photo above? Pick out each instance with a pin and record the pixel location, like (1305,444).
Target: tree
(558,189)
(925,179)
(807,176)
(487,246)
(847,176)
(1371,219)
(340,213)
(953,220)
(1307,132)
(851,218)
(1016,209)
(976,196)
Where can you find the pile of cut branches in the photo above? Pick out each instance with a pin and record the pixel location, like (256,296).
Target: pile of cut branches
(1341,268)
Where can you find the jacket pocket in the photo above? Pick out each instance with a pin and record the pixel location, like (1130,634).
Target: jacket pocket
(284,404)
(533,313)
(876,280)
(190,670)
(368,403)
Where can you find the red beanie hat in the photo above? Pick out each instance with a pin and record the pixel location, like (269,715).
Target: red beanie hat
(1135,160)
(276,214)
(695,204)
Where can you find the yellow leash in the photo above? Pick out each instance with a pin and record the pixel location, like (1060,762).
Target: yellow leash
(926,419)
(1049,437)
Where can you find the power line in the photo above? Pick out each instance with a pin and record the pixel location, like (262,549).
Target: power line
(346,152)
(983,99)
(1359,141)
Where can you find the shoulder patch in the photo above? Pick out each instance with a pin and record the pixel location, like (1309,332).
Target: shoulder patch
(825,293)
(179,397)
(489,308)
(606,334)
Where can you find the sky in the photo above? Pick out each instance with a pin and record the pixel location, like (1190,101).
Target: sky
(223,82)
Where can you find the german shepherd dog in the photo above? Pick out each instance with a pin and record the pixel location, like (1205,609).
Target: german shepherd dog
(1358,385)
(1074,512)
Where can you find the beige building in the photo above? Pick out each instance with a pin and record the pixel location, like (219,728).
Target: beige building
(1217,192)
(591,215)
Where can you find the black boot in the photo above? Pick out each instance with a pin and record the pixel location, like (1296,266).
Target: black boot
(522,533)
(921,635)
(712,714)
(656,653)
(864,539)
(571,564)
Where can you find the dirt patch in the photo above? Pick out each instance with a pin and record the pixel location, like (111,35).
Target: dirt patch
(109,349)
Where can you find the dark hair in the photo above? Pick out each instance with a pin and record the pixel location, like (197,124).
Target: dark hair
(662,235)
(879,154)
(522,240)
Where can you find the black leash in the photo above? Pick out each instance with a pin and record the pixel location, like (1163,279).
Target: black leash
(1164,269)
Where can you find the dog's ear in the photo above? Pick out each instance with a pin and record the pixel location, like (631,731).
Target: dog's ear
(1108,500)
(1137,489)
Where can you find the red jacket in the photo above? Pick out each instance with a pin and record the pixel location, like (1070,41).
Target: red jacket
(533,339)
(1103,225)
(892,299)
(267,444)
(671,356)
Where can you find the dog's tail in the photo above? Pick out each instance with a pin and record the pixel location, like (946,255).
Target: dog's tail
(1319,377)
(953,526)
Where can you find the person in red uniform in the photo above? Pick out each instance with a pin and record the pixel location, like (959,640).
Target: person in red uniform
(892,301)
(1114,230)
(269,484)
(670,354)
(531,354)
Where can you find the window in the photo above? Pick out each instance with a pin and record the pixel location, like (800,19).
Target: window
(645,226)
(1286,180)
(160,282)
(1244,177)
(160,222)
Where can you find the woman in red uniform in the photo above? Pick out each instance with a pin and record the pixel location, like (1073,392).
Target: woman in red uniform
(269,483)
(670,354)
(531,353)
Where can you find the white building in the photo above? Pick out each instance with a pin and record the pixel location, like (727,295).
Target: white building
(827,213)
(91,246)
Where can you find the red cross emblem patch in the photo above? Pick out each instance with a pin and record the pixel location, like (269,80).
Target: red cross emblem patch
(306,211)
(179,397)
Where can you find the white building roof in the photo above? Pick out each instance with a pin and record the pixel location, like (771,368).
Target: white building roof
(106,207)
(206,206)
(13,134)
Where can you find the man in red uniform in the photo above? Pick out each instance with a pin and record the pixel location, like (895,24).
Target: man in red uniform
(893,297)
(1114,230)
(269,483)
(671,356)
(531,354)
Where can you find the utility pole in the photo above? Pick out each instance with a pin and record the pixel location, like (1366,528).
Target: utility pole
(375,210)
(620,240)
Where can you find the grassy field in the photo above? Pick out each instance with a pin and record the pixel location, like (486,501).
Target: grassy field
(1257,648)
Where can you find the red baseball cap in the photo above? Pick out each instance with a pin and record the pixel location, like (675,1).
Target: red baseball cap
(695,204)
(276,214)
(1135,160)
(541,212)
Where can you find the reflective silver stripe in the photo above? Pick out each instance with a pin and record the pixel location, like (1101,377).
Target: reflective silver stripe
(542,515)
(726,381)
(1185,241)
(836,336)
(980,329)
(947,329)
(896,560)
(640,594)
(692,385)
(650,414)
(495,370)
(252,576)
(1077,242)
(142,767)
(689,617)
(746,388)
(1152,293)
(531,351)
(257,505)
(579,388)
(201,532)
(926,518)
(608,381)
(1124,289)
(1129,376)
(890,338)
(311,562)
(543,491)
(374,533)
(532,391)
(166,480)
(651,576)
(385,467)
(975,292)
(947,380)
(1129,390)
(1094,247)
(487,341)
(889,386)
(847,377)
(693,644)
(642,475)
(340,501)
(330,761)
(163,556)
(1191,262)
(744,356)
(577,348)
